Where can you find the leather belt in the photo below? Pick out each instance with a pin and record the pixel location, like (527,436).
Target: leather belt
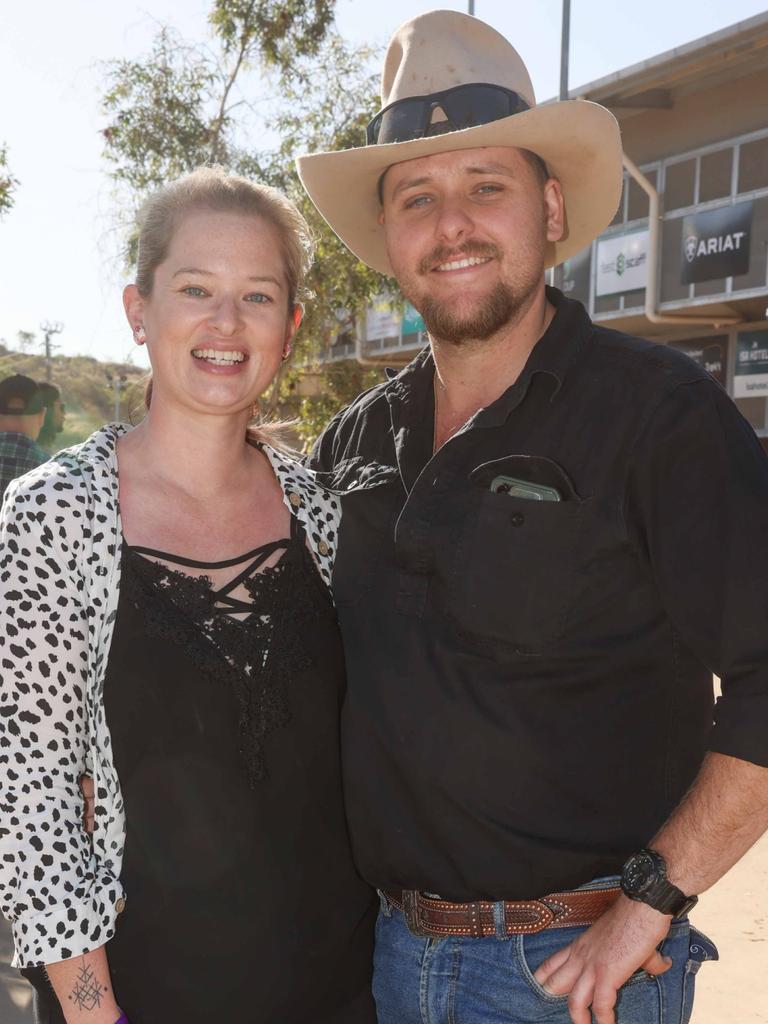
(429,917)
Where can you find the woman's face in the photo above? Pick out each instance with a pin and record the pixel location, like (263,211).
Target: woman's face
(217,321)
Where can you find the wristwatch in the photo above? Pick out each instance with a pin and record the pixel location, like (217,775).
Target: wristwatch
(644,878)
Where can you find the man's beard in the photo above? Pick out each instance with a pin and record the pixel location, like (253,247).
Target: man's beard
(492,312)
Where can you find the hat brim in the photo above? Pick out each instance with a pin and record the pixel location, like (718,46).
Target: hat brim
(579,141)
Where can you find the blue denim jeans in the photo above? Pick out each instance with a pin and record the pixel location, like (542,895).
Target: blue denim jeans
(490,980)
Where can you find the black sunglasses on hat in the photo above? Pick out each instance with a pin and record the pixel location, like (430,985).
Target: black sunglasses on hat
(464,106)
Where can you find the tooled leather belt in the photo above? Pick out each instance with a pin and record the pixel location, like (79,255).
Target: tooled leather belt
(430,917)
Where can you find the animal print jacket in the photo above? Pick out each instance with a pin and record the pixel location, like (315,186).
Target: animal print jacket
(60,547)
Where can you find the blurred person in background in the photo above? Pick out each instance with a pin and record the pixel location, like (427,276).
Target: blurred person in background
(22,411)
(54,416)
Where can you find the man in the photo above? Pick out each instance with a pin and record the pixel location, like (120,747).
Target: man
(21,418)
(53,423)
(553,535)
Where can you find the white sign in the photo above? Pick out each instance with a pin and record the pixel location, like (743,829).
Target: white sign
(381,322)
(622,263)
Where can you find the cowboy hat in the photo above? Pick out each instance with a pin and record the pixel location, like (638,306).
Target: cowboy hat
(438,51)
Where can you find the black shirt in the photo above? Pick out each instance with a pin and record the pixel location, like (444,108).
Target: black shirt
(530,682)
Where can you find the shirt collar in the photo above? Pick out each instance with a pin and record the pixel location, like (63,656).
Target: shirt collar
(554,354)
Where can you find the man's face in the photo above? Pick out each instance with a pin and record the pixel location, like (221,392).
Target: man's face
(466,232)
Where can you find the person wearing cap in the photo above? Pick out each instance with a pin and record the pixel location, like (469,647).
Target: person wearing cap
(22,413)
(554,534)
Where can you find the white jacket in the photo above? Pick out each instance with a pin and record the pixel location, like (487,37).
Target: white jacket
(60,546)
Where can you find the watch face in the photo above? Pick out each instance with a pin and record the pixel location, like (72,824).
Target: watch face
(640,872)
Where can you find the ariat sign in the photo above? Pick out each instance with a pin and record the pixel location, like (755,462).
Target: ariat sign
(716,243)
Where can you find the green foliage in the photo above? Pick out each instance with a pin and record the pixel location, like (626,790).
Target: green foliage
(277,31)
(335,386)
(175,110)
(7,183)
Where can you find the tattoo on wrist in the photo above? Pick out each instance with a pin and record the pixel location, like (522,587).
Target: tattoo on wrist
(88,990)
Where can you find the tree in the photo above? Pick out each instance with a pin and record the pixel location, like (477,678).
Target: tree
(184,105)
(7,183)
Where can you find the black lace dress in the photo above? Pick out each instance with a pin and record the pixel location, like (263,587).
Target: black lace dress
(223,706)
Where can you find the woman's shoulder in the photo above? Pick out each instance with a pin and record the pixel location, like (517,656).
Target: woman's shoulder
(317,508)
(65,477)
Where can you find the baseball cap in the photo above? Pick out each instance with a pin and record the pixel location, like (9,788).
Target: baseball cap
(20,396)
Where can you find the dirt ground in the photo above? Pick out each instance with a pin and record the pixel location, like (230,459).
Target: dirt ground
(734,914)
(733,991)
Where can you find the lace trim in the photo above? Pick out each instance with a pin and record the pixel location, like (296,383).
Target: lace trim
(255,656)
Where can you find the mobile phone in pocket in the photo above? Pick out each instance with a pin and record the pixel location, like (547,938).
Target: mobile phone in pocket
(517,488)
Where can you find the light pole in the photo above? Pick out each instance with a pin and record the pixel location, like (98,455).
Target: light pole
(49,329)
(564,49)
(471,6)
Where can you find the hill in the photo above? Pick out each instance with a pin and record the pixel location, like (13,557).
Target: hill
(85,389)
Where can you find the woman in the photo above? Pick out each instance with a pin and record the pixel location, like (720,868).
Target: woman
(169,631)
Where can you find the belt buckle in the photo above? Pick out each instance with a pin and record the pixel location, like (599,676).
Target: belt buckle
(411,908)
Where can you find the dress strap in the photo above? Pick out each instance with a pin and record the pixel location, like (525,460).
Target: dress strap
(264,550)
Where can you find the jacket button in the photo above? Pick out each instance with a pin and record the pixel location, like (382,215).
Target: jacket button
(120,905)
(323,548)
(295,499)
(517,518)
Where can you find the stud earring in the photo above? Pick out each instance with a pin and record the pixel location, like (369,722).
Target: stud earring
(139,334)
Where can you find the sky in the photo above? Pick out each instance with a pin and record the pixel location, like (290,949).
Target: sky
(59,246)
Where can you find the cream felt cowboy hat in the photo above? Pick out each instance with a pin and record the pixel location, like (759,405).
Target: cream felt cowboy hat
(434,53)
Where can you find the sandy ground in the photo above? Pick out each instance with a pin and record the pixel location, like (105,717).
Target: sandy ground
(734,915)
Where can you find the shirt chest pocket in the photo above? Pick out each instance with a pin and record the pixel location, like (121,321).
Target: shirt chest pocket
(514,577)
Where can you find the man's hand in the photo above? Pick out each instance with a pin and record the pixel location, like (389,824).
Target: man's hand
(86,785)
(597,964)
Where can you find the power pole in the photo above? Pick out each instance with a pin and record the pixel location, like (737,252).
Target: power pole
(565,47)
(117,383)
(49,329)
(470,6)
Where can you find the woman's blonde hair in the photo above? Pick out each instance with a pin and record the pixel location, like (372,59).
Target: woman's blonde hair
(214,189)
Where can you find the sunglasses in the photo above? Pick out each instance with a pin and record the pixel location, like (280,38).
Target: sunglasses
(464,106)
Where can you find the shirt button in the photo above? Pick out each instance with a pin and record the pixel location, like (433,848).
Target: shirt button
(295,499)
(323,548)
(120,905)
(517,518)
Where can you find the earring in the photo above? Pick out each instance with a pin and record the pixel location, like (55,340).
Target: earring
(286,352)
(255,410)
(139,334)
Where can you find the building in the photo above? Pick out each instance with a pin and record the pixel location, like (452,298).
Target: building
(685,261)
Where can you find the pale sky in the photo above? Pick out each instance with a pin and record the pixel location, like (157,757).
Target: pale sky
(59,257)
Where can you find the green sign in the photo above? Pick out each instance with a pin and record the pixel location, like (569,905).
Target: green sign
(412,322)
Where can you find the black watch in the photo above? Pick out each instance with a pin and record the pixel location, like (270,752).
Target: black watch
(644,878)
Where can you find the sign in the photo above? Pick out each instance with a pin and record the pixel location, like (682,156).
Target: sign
(622,263)
(710,353)
(716,243)
(750,378)
(572,276)
(412,321)
(381,323)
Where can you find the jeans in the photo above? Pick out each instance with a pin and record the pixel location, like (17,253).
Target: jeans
(490,980)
